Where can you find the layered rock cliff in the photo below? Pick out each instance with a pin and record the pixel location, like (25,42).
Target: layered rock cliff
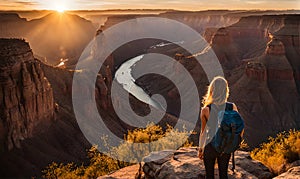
(37,124)
(26,96)
(267,94)
(248,37)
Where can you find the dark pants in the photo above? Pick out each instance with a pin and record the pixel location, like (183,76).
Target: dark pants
(210,156)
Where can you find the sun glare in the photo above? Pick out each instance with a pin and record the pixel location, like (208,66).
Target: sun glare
(60,8)
(58,5)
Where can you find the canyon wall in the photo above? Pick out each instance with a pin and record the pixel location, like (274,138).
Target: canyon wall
(249,37)
(267,94)
(26,96)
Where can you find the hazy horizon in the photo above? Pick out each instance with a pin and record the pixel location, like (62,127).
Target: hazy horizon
(193,5)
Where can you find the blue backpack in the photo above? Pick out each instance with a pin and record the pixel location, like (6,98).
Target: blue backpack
(228,135)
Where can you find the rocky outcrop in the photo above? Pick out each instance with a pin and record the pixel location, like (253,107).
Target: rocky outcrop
(267,94)
(26,97)
(272,65)
(256,71)
(292,173)
(184,163)
(250,36)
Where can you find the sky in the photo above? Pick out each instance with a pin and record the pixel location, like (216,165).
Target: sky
(147,4)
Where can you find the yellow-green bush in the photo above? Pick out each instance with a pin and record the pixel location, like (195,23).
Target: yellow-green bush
(170,139)
(101,164)
(279,151)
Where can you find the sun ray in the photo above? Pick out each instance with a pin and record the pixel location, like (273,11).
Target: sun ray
(57,5)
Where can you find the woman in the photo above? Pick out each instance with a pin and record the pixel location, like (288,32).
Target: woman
(215,99)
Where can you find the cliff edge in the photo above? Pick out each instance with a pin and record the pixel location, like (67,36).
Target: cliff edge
(26,96)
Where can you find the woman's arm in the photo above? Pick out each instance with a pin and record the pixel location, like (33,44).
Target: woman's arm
(204,117)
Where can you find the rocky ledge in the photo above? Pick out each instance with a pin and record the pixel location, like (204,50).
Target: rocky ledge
(185,164)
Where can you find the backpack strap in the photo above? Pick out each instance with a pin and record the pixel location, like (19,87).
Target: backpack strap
(229,106)
(209,107)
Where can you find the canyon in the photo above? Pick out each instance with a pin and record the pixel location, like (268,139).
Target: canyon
(259,56)
(259,53)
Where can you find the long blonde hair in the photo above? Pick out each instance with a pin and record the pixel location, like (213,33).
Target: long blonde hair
(217,92)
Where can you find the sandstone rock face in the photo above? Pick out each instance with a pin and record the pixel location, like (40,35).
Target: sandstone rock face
(26,97)
(248,38)
(269,94)
(292,173)
(256,71)
(201,20)
(185,164)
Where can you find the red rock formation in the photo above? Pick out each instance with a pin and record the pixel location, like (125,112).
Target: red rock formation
(246,39)
(269,87)
(26,97)
(275,47)
(256,71)
(225,48)
(277,64)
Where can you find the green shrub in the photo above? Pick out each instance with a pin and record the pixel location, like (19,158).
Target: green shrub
(279,151)
(101,164)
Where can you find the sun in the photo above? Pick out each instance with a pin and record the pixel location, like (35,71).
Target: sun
(57,5)
(60,8)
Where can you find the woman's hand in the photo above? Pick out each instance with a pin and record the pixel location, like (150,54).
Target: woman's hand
(200,154)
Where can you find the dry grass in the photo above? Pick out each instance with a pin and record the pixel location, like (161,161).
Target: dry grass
(101,164)
(279,151)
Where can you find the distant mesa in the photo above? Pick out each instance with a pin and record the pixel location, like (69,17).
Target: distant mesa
(11,17)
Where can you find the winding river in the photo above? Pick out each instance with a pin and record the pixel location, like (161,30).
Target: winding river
(124,77)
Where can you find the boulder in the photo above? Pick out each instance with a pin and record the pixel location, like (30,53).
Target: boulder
(292,173)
